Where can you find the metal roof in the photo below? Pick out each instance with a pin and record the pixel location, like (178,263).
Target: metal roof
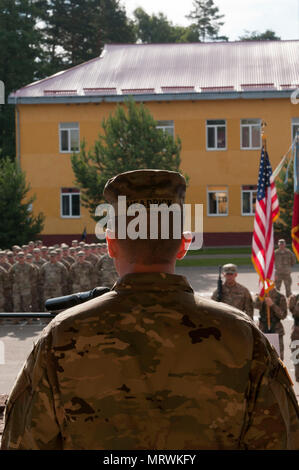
(149,69)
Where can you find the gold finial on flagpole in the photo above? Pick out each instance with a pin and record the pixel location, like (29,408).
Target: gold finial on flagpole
(264,137)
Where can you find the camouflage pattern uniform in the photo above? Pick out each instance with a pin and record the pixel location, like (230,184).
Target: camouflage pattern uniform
(284,261)
(235,295)
(278,312)
(3,288)
(8,289)
(152,365)
(82,275)
(105,271)
(54,280)
(294,309)
(21,278)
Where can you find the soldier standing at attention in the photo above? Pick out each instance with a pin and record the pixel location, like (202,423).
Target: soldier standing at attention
(234,293)
(3,261)
(3,288)
(106,274)
(21,276)
(284,261)
(89,256)
(150,364)
(54,278)
(294,309)
(66,255)
(278,311)
(82,274)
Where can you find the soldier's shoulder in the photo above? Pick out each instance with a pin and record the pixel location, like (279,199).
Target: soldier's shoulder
(242,288)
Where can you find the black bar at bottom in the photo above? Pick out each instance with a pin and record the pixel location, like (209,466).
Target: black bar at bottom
(27,315)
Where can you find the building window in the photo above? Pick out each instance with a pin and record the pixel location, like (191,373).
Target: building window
(295,127)
(70,202)
(166,126)
(248,196)
(250,134)
(216,134)
(217,200)
(68,137)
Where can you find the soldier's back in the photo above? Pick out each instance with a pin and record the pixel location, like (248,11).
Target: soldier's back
(163,369)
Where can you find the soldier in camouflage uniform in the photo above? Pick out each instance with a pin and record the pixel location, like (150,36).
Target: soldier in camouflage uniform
(150,364)
(37,259)
(54,278)
(294,309)
(284,261)
(3,288)
(66,255)
(278,311)
(3,261)
(106,274)
(234,293)
(36,287)
(89,256)
(10,258)
(82,274)
(21,277)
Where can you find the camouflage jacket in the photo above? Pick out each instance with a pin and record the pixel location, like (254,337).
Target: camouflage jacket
(82,276)
(22,276)
(152,365)
(53,274)
(284,260)
(106,274)
(278,311)
(237,296)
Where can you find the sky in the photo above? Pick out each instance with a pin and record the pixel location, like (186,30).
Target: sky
(280,16)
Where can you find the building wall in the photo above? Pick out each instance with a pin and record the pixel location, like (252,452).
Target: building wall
(48,170)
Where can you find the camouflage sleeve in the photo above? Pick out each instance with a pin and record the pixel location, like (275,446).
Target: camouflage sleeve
(64,279)
(31,421)
(257,302)
(272,409)
(214,295)
(294,305)
(281,310)
(248,304)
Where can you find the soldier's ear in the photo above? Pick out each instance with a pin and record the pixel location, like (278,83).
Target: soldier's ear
(111,243)
(185,245)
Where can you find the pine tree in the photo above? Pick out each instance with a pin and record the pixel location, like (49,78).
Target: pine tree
(130,141)
(18,225)
(206,18)
(285,193)
(20,51)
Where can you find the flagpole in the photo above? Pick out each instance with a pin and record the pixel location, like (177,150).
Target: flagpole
(264,144)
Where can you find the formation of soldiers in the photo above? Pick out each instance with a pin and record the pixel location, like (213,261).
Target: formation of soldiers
(239,296)
(31,274)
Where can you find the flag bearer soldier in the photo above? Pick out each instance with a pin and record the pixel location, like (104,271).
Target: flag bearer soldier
(278,311)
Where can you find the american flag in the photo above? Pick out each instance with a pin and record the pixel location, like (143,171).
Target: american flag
(295,219)
(266,212)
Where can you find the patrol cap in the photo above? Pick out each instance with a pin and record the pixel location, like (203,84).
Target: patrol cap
(229,268)
(21,254)
(281,241)
(2,253)
(10,254)
(146,187)
(36,250)
(52,253)
(81,253)
(29,255)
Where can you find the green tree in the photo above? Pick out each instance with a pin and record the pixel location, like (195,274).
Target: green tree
(18,225)
(206,20)
(150,29)
(75,31)
(268,35)
(20,52)
(285,192)
(130,141)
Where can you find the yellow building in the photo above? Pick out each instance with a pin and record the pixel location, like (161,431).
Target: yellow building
(213,95)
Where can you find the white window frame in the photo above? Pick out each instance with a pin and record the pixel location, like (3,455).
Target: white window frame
(295,123)
(215,126)
(71,205)
(68,126)
(251,191)
(251,147)
(225,190)
(166,127)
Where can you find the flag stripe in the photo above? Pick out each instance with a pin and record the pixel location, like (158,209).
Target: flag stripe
(267,210)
